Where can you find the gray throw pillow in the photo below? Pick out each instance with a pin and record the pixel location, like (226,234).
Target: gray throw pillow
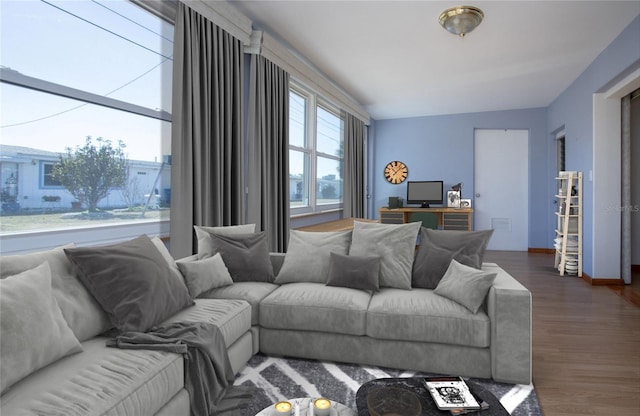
(307,258)
(34,332)
(437,249)
(203,232)
(395,244)
(465,285)
(205,274)
(354,271)
(245,255)
(132,282)
(81,311)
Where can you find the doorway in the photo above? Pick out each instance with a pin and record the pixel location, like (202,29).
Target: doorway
(501,183)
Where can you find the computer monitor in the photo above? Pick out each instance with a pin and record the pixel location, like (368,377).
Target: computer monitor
(425,193)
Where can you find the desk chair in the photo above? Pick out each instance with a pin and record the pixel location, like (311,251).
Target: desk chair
(428,219)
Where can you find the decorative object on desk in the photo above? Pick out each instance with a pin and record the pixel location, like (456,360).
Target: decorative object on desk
(465,203)
(393,401)
(321,407)
(396,172)
(283,408)
(395,202)
(453,199)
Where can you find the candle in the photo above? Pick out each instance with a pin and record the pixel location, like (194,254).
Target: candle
(321,407)
(283,408)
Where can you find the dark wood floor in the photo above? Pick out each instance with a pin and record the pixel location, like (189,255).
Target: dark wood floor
(586,339)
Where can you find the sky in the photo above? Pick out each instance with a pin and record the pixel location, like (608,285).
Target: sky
(105,54)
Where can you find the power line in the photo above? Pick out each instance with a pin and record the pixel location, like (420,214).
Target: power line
(133,21)
(105,29)
(82,105)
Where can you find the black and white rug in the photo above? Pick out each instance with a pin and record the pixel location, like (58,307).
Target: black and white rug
(276,379)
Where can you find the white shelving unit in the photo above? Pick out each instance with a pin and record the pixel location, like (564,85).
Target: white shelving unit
(568,241)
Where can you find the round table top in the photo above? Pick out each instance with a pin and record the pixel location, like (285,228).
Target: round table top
(337,409)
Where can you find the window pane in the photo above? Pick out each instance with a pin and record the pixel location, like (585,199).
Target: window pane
(35,146)
(297,115)
(329,140)
(119,50)
(298,178)
(329,182)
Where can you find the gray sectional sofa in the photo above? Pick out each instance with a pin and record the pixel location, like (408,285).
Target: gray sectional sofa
(285,310)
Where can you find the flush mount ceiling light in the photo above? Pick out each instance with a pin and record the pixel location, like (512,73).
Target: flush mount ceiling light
(461,20)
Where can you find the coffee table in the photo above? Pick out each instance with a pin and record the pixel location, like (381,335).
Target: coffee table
(337,409)
(429,408)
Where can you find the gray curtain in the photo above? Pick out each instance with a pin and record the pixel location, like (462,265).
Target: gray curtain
(354,192)
(206,149)
(268,199)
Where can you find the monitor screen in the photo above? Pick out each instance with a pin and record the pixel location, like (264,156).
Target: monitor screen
(425,193)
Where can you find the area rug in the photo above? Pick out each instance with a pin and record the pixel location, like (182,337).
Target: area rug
(276,378)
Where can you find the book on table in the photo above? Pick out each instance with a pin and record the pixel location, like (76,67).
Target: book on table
(452,393)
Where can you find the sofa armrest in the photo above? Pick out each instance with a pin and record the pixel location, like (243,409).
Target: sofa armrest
(509,309)
(277,259)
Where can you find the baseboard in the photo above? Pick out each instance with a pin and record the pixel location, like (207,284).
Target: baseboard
(602,282)
(542,250)
(635,268)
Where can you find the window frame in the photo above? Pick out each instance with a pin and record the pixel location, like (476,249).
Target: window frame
(313,102)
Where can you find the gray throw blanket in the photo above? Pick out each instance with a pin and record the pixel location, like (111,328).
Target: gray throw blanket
(208,373)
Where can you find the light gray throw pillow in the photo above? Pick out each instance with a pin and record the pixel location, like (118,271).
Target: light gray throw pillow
(308,255)
(395,244)
(439,247)
(34,332)
(205,274)
(465,285)
(81,311)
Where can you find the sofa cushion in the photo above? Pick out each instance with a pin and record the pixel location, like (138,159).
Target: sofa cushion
(315,307)
(308,255)
(465,285)
(132,282)
(205,274)
(252,292)
(355,272)
(233,317)
(439,247)
(203,232)
(99,381)
(395,244)
(33,330)
(421,315)
(81,311)
(245,255)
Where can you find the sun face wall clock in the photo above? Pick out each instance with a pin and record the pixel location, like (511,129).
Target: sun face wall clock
(396,172)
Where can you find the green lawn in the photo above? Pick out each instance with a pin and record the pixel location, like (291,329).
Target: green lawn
(51,221)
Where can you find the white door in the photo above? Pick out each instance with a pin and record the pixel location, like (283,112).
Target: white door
(501,184)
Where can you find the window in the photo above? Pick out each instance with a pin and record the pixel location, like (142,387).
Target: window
(315,153)
(47,178)
(73,70)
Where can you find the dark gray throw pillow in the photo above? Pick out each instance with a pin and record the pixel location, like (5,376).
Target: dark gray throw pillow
(356,272)
(131,281)
(245,255)
(437,249)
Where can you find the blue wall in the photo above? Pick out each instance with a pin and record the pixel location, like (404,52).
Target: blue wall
(573,110)
(441,148)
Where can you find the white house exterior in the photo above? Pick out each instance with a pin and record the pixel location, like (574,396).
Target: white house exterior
(25,173)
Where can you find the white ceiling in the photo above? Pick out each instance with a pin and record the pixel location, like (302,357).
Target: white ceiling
(397,61)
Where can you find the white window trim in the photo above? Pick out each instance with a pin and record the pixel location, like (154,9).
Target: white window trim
(313,101)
